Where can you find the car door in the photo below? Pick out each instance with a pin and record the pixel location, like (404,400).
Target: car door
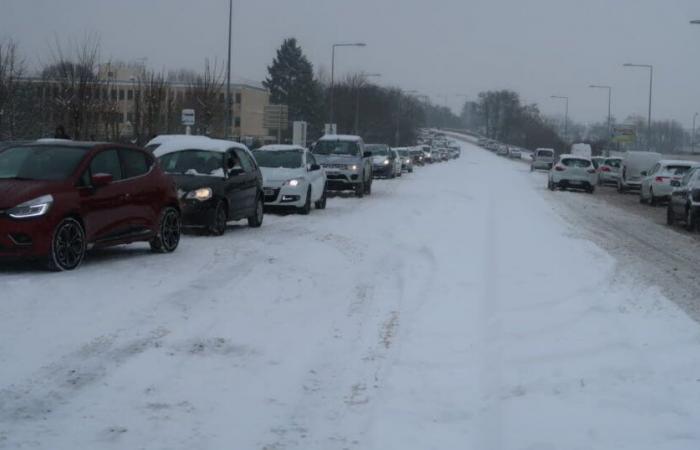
(141,195)
(234,184)
(102,208)
(680,194)
(249,182)
(316,177)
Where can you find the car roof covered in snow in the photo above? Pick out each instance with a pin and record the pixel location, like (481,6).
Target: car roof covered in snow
(340,137)
(196,143)
(569,156)
(674,162)
(280,148)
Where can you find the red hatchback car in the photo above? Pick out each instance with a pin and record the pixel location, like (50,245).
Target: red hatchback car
(59,198)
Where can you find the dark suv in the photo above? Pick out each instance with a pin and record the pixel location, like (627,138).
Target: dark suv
(57,198)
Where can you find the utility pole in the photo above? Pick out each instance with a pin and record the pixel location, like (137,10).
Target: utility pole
(651,84)
(332,100)
(227,113)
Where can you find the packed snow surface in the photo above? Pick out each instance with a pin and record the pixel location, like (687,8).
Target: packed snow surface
(452,309)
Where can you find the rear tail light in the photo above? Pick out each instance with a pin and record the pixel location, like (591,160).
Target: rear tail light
(661,179)
(591,170)
(559,168)
(605,169)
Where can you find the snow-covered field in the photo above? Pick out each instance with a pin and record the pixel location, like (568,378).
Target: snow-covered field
(419,318)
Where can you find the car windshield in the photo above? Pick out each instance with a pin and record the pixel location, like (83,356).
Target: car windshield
(545,154)
(613,163)
(336,148)
(288,159)
(40,162)
(193,162)
(378,150)
(576,162)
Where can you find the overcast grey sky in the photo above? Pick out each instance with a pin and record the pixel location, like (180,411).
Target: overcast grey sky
(536,47)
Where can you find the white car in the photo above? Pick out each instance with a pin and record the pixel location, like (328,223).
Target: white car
(291,177)
(502,150)
(515,153)
(542,158)
(574,172)
(609,171)
(656,184)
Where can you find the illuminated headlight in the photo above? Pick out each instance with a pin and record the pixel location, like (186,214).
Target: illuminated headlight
(352,167)
(386,162)
(293,183)
(200,194)
(33,208)
(408,160)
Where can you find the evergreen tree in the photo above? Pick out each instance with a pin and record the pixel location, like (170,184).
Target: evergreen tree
(291,82)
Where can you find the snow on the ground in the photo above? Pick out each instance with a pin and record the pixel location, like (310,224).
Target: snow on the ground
(418,318)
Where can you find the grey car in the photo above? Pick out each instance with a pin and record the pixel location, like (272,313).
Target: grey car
(542,159)
(348,166)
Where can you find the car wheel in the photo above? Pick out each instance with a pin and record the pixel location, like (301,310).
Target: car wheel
(168,236)
(690,219)
(532,169)
(218,226)
(410,170)
(256,220)
(368,187)
(620,188)
(642,200)
(670,219)
(360,189)
(321,203)
(68,246)
(550,185)
(591,190)
(653,201)
(306,209)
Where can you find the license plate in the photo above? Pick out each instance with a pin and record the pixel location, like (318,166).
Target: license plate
(574,182)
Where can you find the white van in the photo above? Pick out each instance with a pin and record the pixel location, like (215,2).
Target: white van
(582,150)
(633,164)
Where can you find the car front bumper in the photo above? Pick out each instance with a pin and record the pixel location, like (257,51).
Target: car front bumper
(26,238)
(197,214)
(337,180)
(285,195)
(382,170)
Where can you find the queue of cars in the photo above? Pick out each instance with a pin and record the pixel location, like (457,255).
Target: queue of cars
(673,182)
(60,198)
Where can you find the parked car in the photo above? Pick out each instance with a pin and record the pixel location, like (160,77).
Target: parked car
(574,172)
(218,181)
(427,154)
(502,150)
(609,171)
(684,204)
(348,165)
(406,159)
(631,168)
(542,159)
(161,139)
(291,177)
(656,184)
(384,161)
(597,161)
(62,197)
(418,156)
(514,153)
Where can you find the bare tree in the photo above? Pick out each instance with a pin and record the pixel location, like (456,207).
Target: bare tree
(149,105)
(205,95)
(11,73)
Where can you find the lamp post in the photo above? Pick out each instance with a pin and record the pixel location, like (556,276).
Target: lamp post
(651,84)
(609,88)
(695,116)
(227,112)
(566,114)
(356,44)
(360,83)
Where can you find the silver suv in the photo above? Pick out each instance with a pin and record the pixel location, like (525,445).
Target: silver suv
(348,166)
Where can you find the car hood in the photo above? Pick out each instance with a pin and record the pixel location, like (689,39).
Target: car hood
(337,159)
(14,192)
(187,183)
(379,159)
(281,174)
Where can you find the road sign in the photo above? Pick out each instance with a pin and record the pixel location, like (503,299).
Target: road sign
(624,133)
(331,128)
(276,117)
(188,117)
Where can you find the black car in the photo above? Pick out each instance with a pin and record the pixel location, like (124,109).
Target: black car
(684,204)
(217,181)
(383,160)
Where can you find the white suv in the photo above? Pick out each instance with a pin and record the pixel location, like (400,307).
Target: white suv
(574,172)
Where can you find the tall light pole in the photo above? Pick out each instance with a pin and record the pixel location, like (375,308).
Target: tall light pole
(695,116)
(566,115)
(227,113)
(651,84)
(360,84)
(609,88)
(356,44)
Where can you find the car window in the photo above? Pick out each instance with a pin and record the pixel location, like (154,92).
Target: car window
(613,163)
(655,169)
(193,162)
(310,159)
(40,162)
(134,163)
(246,163)
(675,171)
(337,148)
(107,161)
(575,162)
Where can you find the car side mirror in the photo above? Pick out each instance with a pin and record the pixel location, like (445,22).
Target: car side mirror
(644,173)
(101,179)
(367,155)
(314,167)
(675,183)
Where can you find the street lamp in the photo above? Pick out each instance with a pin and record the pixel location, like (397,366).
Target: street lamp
(609,88)
(693,140)
(651,83)
(566,114)
(227,112)
(356,44)
(363,77)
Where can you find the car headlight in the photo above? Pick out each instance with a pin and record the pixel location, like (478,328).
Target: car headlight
(293,182)
(200,194)
(33,208)
(352,167)
(386,162)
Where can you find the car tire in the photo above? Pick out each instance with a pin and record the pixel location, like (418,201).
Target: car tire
(670,217)
(321,203)
(550,185)
(368,187)
(532,169)
(256,220)
(167,238)
(410,170)
(642,200)
(591,190)
(306,209)
(360,189)
(620,188)
(218,225)
(68,246)
(653,200)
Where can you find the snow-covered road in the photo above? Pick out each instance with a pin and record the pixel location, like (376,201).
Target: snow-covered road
(455,309)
